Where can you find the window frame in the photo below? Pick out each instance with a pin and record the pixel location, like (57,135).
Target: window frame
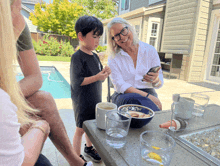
(124,11)
(151,21)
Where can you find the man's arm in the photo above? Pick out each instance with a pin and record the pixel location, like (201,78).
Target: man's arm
(29,65)
(32,80)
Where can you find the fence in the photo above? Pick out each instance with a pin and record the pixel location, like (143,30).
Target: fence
(39,36)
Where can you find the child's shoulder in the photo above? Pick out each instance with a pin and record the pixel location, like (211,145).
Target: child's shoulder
(94,53)
(77,54)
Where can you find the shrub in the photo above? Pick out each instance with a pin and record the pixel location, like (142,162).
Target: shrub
(101,48)
(51,47)
(67,49)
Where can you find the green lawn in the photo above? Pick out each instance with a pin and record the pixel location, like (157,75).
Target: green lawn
(53,58)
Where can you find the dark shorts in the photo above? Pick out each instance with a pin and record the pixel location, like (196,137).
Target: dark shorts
(83,113)
(42,161)
(134,98)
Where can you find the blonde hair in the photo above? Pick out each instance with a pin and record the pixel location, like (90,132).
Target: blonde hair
(112,47)
(8,58)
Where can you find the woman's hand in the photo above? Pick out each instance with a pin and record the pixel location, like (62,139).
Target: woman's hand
(152,77)
(156,101)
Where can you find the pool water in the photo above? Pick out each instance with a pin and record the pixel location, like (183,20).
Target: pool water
(53,82)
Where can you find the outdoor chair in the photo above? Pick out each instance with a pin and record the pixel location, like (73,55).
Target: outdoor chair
(110,85)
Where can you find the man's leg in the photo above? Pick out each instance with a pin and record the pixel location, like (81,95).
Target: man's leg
(44,102)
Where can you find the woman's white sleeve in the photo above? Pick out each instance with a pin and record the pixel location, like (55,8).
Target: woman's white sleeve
(11,148)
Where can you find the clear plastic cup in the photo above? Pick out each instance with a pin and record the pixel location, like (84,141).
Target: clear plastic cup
(156,148)
(117,126)
(201,101)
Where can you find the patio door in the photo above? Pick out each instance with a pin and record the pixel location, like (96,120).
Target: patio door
(153,31)
(213,72)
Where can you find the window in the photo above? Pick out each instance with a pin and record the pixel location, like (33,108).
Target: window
(212,52)
(152,41)
(153,35)
(124,6)
(153,31)
(215,71)
(153,1)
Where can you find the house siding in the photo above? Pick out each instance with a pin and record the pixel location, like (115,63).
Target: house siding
(185,31)
(138,4)
(179,26)
(137,21)
(135,4)
(198,53)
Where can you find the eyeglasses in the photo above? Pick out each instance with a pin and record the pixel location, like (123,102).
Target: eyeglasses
(123,32)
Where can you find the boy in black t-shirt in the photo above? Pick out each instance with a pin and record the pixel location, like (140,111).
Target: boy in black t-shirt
(86,75)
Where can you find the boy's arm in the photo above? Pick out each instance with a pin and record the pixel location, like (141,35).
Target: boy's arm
(101,76)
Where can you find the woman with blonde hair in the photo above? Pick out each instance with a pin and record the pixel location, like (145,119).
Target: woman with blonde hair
(14,111)
(130,60)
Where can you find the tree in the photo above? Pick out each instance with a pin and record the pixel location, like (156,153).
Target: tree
(102,9)
(58,17)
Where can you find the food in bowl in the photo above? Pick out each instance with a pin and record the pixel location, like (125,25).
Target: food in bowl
(140,110)
(135,114)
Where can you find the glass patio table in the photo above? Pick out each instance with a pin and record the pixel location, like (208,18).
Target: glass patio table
(129,155)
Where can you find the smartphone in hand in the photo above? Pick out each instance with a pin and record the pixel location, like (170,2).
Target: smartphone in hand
(153,69)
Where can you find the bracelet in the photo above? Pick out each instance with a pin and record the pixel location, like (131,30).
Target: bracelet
(156,84)
(85,164)
(39,127)
(147,95)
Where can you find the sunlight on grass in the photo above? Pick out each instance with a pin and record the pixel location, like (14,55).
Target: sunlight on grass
(53,58)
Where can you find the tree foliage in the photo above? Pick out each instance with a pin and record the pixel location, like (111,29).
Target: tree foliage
(102,9)
(58,17)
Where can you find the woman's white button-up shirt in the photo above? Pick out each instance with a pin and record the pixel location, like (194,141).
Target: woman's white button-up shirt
(124,75)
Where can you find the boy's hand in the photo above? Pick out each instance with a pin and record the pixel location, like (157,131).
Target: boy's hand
(107,70)
(102,75)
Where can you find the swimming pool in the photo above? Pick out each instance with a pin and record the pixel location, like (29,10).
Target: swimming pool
(53,82)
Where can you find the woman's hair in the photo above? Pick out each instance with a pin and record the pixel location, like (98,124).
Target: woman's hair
(112,47)
(8,68)
(86,24)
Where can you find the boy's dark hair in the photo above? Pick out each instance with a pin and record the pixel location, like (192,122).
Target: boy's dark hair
(86,24)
